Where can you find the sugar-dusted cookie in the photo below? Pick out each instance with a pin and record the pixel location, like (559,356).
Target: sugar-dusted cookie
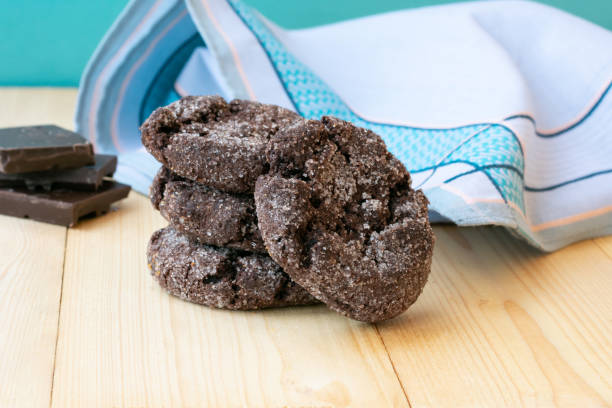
(214,217)
(220,277)
(337,212)
(219,144)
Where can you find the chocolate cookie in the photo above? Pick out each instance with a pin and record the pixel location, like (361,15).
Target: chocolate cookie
(219,144)
(212,216)
(338,214)
(220,277)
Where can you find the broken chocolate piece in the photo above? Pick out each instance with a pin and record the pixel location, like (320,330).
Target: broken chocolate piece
(88,178)
(61,207)
(40,148)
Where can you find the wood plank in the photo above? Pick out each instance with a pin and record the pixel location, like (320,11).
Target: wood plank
(605,243)
(501,324)
(36,106)
(31,264)
(125,342)
(31,259)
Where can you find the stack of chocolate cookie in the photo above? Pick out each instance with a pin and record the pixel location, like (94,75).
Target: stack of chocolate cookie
(50,174)
(269,209)
(212,252)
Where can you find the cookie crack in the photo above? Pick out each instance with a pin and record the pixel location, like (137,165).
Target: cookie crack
(283,289)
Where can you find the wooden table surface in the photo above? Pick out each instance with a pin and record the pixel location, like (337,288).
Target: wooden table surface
(83,324)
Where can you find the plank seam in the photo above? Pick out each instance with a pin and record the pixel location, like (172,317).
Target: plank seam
(393,365)
(59,314)
(601,248)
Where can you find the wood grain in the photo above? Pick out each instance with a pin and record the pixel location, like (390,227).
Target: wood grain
(31,258)
(500,324)
(36,106)
(31,264)
(125,342)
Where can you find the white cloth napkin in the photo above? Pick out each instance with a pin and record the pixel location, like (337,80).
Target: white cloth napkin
(502,111)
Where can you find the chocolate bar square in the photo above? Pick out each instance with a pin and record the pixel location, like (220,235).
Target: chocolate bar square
(62,207)
(41,148)
(87,178)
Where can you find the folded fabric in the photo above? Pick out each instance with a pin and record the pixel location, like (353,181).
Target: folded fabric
(501,111)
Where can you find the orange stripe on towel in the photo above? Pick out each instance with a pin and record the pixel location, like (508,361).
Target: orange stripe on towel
(229,43)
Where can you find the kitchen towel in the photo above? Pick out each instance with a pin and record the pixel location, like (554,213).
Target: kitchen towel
(501,110)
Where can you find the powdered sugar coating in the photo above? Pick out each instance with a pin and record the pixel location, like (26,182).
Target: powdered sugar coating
(338,214)
(220,144)
(214,217)
(220,277)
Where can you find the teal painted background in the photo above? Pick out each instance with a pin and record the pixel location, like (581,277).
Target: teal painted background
(48,42)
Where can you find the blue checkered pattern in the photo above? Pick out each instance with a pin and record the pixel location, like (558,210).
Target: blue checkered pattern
(491,148)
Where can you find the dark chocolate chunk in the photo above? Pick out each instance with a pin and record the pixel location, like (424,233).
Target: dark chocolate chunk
(62,207)
(41,148)
(338,214)
(212,216)
(88,178)
(219,144)
(220,277)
